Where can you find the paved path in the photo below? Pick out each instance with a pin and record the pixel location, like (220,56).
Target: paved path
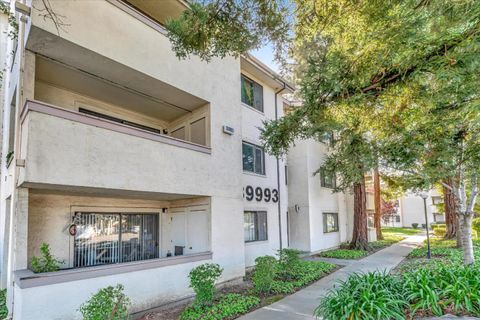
(300,305)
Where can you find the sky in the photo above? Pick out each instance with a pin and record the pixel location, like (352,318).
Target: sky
(265,54)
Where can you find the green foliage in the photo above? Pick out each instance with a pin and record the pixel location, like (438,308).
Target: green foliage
(3,304)
(227,307)
(439,231)
(476,226)
(47,262)
(414,225)
(264,274)
(227,27)
(394,231)
(202,280)
(289,264)
(344,254)
(364,296)
(282,287)
(108,303)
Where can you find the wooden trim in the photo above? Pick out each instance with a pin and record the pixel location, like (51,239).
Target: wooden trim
(27,279)
(45,108)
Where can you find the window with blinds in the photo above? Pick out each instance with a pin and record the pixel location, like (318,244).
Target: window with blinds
(106,238)
(255,226)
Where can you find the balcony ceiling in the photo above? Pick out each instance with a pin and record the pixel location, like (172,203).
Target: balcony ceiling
(66,65)
(158,10)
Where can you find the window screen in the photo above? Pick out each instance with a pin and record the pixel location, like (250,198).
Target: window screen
(330,222)
(252,93)
(253,158)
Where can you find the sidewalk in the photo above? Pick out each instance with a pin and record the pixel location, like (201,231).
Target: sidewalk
(300,305)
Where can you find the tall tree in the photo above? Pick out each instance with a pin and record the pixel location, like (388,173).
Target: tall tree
(398,78)
(449,204)
(378,204)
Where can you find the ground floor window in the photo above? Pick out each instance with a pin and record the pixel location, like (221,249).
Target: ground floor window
(255,226)
(330,222)
(106,238)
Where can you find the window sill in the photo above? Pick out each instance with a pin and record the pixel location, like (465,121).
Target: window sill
(27,279)
(250,243)
(255,174)
(253,109)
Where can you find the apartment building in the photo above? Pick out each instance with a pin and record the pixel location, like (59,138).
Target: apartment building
(132,165)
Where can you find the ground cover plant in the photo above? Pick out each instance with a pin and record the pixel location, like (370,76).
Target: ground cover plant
(390,236)
(272,278)
(108,303)
(3,304)
(418,288)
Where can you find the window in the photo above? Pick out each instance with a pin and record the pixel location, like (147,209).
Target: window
(327,179)
(397,218)
(106,238)
(114,119)
(252,93)
(330,222)
(255,226)
(253,158)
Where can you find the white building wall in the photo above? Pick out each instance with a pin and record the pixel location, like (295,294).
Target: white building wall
(412,209)
(252,121)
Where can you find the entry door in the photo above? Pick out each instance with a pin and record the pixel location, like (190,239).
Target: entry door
(197,230)
(178,234)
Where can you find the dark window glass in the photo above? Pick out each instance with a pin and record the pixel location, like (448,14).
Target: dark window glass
(255,226)
(253,158)
(327,179)
(106,238)
(330,222)
(252,93)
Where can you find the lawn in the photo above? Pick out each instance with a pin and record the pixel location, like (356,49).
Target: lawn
(390,236)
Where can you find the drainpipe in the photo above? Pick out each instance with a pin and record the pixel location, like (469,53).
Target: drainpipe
(278,175)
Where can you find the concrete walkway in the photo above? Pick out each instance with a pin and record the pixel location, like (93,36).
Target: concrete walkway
(300,305)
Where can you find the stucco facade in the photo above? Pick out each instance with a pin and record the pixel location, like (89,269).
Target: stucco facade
(105,127)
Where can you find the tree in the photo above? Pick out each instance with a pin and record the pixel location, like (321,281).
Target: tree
(388,210)
(378,204)
(399,81)
(449,206)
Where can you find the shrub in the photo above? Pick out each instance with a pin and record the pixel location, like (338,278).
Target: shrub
(227,307)
(375,296)
(289,264)
(47,262)
(264,274)
(476,226)
(344,254)
(108,303)
(202,280)
(440,231)
(414,225)
(282,287)
(3,304)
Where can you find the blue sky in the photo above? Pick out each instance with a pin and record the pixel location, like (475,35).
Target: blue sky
(265,54)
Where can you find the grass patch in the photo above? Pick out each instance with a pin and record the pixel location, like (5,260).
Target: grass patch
(401,231)
(227,306)
(348,254)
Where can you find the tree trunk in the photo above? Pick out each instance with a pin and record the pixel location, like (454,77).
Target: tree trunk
(466,235)
(451,220)
(360,228)
(378,206)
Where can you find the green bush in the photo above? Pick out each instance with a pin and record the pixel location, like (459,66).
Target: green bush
(282,287)
(439,231)
(344,254)
(3,304)
(414,225)
(202,280)
(227,307)
(373,296)
(47,262)
(289,264)
(264,274)
(476,226)
(108,303)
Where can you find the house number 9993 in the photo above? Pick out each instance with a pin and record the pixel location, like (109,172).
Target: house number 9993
(260,194)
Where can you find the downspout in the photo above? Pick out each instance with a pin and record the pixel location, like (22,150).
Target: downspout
(278,175)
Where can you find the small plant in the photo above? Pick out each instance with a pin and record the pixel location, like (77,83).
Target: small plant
(3,304)
(415,225)
(47,262)
(202,280)
(264,274)
(344,254)
(227,307)
(108,303)
(9,157)
(289,263)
